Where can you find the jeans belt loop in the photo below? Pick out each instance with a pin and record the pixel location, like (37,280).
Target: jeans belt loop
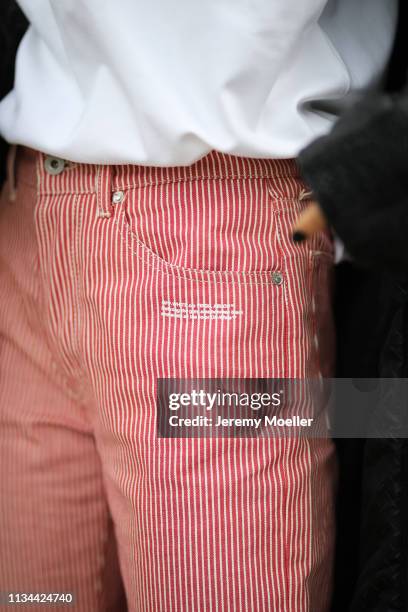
(103,191)
(11,173)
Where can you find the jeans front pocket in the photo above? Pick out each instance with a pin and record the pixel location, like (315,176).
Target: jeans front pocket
(216,231)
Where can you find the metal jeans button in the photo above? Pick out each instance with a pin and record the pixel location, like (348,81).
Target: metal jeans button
(118,197)
(54,165)
(277,278)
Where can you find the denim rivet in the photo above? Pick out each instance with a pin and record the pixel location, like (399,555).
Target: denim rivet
(118,197)
(54,165)
(277,278)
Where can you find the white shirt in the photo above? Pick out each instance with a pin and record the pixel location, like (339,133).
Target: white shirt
(163,82)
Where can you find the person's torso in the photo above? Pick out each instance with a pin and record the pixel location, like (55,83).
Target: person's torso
(163,83)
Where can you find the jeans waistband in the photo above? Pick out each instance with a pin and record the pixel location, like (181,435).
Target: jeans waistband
(71,177)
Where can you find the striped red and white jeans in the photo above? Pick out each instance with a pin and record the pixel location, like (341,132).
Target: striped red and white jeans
(92,260)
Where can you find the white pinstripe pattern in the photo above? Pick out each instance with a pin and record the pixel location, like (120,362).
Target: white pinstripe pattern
(201,524)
